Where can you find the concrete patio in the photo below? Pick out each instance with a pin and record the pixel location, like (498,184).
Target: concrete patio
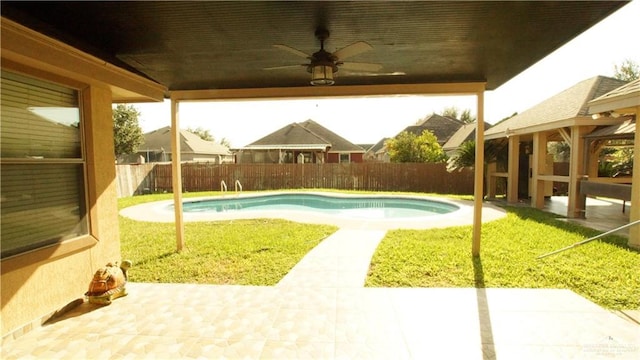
(321,310)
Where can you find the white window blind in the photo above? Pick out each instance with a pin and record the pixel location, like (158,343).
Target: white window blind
(42,167)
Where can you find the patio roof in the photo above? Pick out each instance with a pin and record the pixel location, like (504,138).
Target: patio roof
(195,45)
(569,107)
(625,130)
(621,99)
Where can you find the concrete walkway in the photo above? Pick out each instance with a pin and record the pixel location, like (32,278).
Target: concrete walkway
(340,261)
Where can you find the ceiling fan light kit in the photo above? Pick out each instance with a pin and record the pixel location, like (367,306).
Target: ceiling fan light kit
(322,75)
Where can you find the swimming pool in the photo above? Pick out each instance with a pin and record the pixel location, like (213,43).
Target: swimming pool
(362,217)
(364,207)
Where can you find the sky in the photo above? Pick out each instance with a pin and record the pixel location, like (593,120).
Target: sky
(367,120)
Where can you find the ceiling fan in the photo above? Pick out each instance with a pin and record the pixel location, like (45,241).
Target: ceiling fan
(323,64)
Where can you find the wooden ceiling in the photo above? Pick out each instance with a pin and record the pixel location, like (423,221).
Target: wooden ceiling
(227,45)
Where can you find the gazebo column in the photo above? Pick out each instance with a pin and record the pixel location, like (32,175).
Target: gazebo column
(592,161)
(538,166)
(512,169)
(634,231)
(492,182)
(576,202)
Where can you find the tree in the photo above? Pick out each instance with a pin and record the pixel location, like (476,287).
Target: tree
(450,111)
(629,70)
(409,147)
(203,133)
(560,150)
(225,142)
(127,134)
(465,155)
(453,112)
(466,117)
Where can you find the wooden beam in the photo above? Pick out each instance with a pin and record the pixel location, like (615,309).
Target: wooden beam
(177,173)
(556,178)
(478,177)
(456,89)
(565,135)
(513,169)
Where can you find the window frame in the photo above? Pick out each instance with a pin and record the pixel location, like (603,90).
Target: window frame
(62,247)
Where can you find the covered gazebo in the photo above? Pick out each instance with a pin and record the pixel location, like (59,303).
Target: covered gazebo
(565,117)
(625,102)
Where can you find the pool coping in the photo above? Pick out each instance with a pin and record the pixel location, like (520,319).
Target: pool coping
(157,212)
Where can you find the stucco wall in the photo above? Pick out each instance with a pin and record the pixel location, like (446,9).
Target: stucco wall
(35,285)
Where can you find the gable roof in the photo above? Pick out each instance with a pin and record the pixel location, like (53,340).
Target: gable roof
(377,146)
(620,99)
(160,139)
(443,127)
(465,133)
(625,130)
(569,104)
(307,134)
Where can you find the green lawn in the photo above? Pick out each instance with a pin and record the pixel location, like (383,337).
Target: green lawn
(604,271)
(261,252)
(242,252)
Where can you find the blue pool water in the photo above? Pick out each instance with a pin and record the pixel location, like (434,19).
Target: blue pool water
(358,207)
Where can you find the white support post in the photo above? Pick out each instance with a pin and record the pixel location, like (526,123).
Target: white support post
(177,173)
(479,177)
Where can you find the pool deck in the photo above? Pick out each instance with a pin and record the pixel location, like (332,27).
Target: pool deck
(321,310)
(158,212)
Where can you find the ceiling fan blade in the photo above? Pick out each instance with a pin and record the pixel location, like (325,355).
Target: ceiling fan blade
(292,50)
(366,73)
(352,50)
(285,67)
(369,67)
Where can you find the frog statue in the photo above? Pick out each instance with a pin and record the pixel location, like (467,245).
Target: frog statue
(108,283)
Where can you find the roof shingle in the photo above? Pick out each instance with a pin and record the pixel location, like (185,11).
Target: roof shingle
(568,104)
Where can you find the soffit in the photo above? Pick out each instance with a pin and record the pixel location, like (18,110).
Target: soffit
(226,45)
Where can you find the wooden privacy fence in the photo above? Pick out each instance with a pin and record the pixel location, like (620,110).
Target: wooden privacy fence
(428,178)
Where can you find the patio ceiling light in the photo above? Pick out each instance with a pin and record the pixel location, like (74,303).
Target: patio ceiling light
(322,75)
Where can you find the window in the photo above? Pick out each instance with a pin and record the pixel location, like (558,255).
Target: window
(345,158)
(42,165)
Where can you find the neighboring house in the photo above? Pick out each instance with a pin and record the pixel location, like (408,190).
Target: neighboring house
(305,142)
(465,133)
(562,117)
(377,152)
(157,148)
(443,127)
